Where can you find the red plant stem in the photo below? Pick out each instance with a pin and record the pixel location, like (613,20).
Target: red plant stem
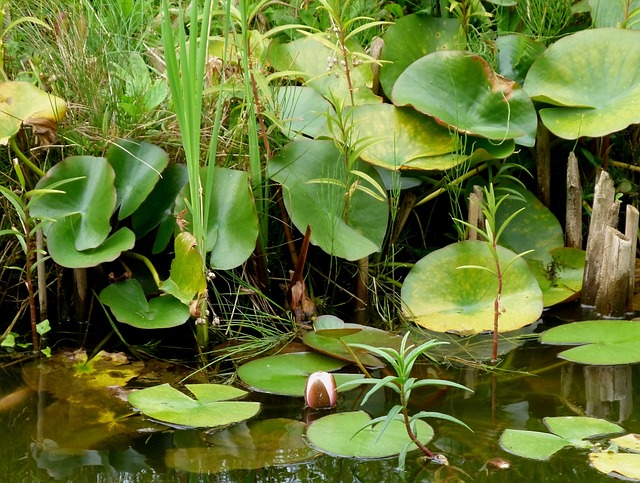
(29,283)
(407,425)
(345,56)
(496,307)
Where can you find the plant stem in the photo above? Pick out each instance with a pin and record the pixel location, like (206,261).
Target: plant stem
(496,306)
(407,425)
(24,159)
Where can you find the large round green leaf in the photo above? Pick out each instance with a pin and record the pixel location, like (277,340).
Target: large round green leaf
(137,166)
(593,98)
(129,305)
(516,54)
(246,446)
(303,110)
(401,48)
(232,225)
(88,190)
(462,91)
(400,135)
(211,408)
(561,279)
(341,434)
(442,297)
(60,246)
(624,13)
(314,177)
(309,56)
(23,103)
(600,342)
(532,444)
(286,374)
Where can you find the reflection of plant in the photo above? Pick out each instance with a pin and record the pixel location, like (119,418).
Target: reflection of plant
(491,234)
(402,383)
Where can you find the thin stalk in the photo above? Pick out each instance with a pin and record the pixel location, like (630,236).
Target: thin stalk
(407,425)
(496,307)
(455,182)
(147,263)
(29,283)
(24,159)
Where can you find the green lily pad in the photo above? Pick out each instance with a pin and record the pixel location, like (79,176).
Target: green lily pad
(442,297)
(401,49)
(578,428)
(516,54)
(313,175)
(303,110)
(623,466)
(129,305)
(61,235)
(333,326)
(600,342)
(532,444)
(462,91)
(587,100)
(187,279)
(211,408)
(335,343)
(401,135)
(246,446)
(308,58)
(88,190)
(561,279)
(341,434)
(615,14)
(137,166)
(286,374)
(23,103)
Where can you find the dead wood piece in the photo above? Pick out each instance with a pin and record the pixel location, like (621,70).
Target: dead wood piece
(611,299)
(573,227)
(475,217)
(543,164)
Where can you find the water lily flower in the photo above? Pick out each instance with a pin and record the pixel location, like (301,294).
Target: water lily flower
(320,391)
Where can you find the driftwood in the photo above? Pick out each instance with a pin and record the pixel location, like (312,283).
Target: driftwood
(543,164)
(573,227)
(605,214)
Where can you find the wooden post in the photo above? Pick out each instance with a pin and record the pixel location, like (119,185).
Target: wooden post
(475,217)
(605,214)
(573,228)
(631,231)
(543,164)
(611,299)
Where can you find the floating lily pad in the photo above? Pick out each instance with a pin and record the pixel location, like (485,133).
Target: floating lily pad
(211,408)
(333,326)
(561,279)
(303,110)
(578,428)
(623,466)
(442,297)
(600,342)
(129,305)
(23,103)
(629,442)
(246,446)
(341,434)
(336,343)
(587,100)
(286,374)
(462,91)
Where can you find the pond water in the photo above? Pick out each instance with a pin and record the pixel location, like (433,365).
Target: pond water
(47,436)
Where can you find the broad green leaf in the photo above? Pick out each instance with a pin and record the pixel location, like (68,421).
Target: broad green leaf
(342,435)
(401,48)
(286,374)
(311,172)
(620,13)
(561,279)
(309,57)
(587,98)
(600,342)
(232,224)
(246,446)
(158,206)
(23,103)
(400,135)
(90,193)
(516,54)
(630,442)
(303,110)
(129,305)
(578,428)
(187,279)
(63,232)
(624,466)
(137,166)
(532,444)
(211,408)
(442,297)
(462,91)
(335,343)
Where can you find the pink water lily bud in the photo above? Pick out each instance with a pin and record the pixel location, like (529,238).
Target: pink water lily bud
(320,391)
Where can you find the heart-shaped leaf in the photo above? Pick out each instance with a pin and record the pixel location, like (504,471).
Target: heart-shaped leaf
(187,278)
(590,100)
(561,279)
(303,111)
(442,297)
(341,434)
(286,374)
(601,342)
(624,466)
(532,444)
(62,233)
(578,428)
(462,91)
(516,54)
(137,166)
(315,180)
(130,306)
(23,103)
(211,408)
(88,190)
